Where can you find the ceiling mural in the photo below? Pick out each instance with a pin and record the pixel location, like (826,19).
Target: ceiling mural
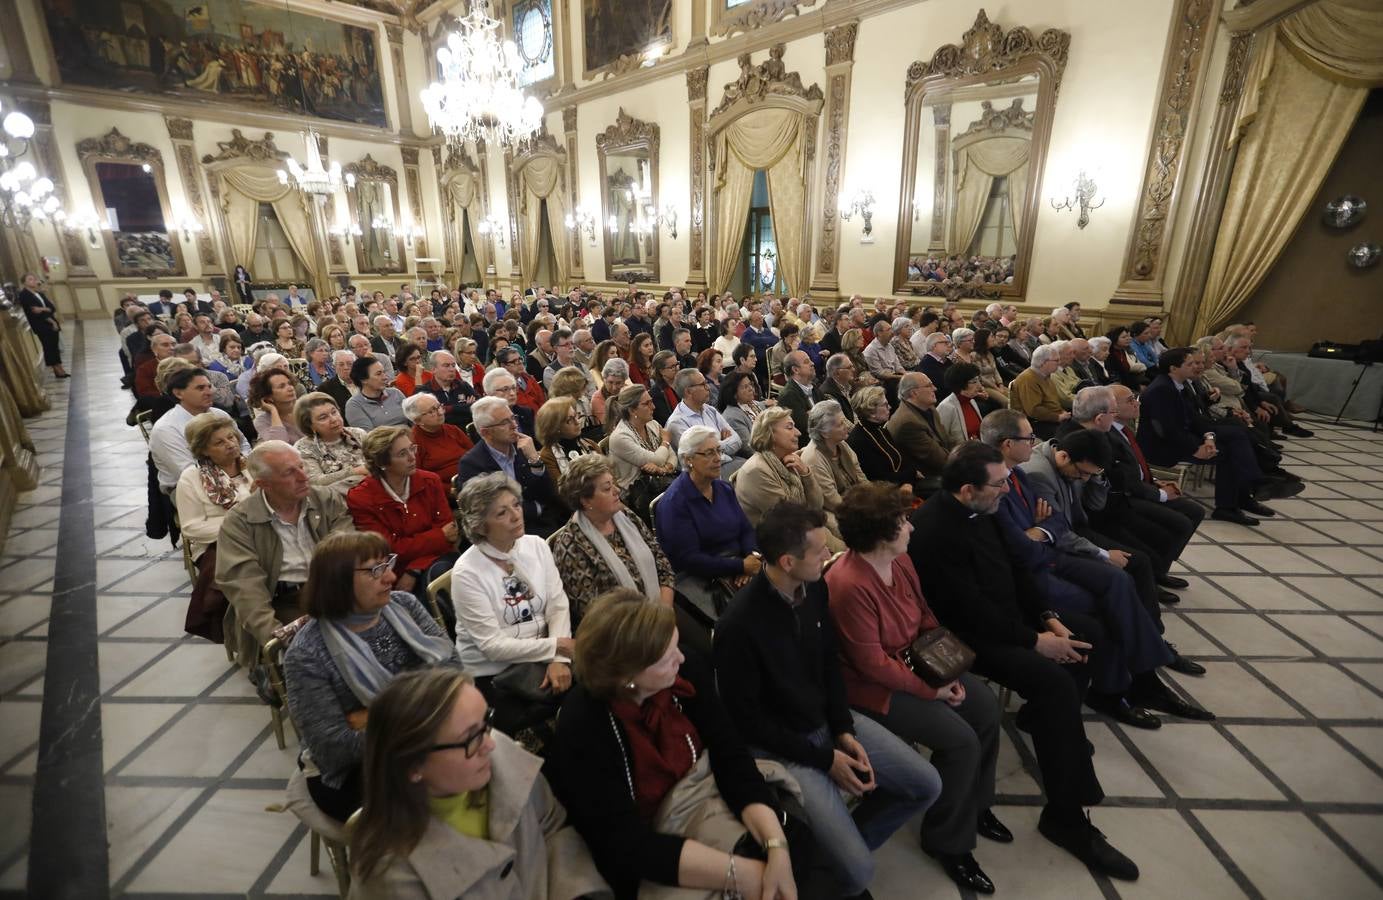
(221,51)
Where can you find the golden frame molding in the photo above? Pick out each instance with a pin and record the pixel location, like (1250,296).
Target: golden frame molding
(367,168)
(114,147)
(840,64)
(629,134)
(751,16)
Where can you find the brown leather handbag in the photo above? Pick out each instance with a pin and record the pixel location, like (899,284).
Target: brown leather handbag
(938,657)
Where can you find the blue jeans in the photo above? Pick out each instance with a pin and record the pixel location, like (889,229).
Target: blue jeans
(907,785)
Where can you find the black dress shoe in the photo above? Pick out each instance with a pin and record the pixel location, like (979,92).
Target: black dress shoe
(1185,666)
(1280,488)
(965,872)
(1167,598)
(1225,514)
(1174,582)
(990,827)
(1166,701)
(1121,710)
(1297,431)
(1087,843)
(1258,509)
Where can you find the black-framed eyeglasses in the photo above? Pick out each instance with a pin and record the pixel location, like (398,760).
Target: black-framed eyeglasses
(471,745)
(377,571)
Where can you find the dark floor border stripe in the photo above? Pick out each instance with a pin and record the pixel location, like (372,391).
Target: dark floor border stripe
(67,846)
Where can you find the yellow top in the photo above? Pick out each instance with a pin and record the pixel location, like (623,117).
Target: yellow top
(468,812)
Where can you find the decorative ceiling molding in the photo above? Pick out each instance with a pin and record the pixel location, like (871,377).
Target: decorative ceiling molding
(768,78)
(369,169)
(459,160)
(114,145)
(755,16)
(628,131)
(241,147)
(986,48)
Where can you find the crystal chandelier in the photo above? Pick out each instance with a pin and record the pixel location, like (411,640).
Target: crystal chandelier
(479,97)
(316,179)
(24,195)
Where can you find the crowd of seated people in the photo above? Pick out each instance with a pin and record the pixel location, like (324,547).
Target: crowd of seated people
(592,481)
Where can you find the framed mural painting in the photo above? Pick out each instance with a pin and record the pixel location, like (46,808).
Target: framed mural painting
(617,33)
(220,51)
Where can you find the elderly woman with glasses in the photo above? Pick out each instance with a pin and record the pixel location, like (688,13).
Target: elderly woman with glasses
(559,432)
(832,461)
(333,453)
(776,473)
(359,635)
(880,457)
(406,504)
(440,445)
(614,375)
(454,808)
(639,445)
(513,619)
(602,547)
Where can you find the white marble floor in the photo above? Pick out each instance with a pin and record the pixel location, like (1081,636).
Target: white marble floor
(1281,798)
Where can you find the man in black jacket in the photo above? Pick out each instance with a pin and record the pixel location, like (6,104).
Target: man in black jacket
(504,448)
(780,678)
(983,593)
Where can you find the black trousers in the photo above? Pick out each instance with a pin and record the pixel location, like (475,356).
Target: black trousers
(1141,568)
(339,803)
(1236,467)
(1161,530)
(1054,693)
(52,345)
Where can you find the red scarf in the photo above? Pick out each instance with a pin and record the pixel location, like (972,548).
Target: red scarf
(662,743)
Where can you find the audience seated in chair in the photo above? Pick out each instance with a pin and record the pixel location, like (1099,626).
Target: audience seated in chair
(638,445)
(559,434)
(503,448)
(776,473)
(958,417)
(375,403)
(440,445)
(828,455)
(1035,395)
(880,456)
(190,391)
(272,395)
(913,426)
(361,633)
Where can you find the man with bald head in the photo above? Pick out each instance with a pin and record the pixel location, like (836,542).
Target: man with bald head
(361,347)
(386,342)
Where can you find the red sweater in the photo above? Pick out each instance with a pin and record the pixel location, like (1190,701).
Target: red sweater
(876,623)
(414,529)
(531,393)
(441,451)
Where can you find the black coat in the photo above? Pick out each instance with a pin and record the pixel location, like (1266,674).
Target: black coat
(33,304)
(533,480)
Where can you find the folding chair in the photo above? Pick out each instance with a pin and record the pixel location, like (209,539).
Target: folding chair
(438,597)
(322,829)
(271,656)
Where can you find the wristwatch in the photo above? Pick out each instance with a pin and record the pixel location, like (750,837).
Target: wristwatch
(1050,614)
(775,844)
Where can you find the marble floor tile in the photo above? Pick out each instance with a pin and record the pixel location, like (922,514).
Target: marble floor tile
(201,744)
(293,879)
(1031,866)
(17,801)
(1247,635)
(268,761)
(186,672)
(21,613)
(1213,770)
(1120,774)
(110,573)
(1011,778)
(112,610)
(1311,763)
(1212,560)
(199,854)
(1293,534)
(1206,593)
(119,660)
(1188,639)
(1230,533)
(1285,856)
(1323,690)
(1371,673)
(1360,510)
(163,619)
(20,729)
(1305,510)
(161,577)
(20,661)
(34,542)
(1278,560)
(1230,691)
(1333,636)
(1347,560)
(1373,584)
(1373,623)
(137,816)
(1368,741)
(1264,592)
(124,726)
(1363,833)
(1172,860)
(35,517)
(1360,473)
(1352,533)
(27,573)
(1340,594)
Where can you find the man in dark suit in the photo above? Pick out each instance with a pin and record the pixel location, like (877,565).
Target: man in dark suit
(798,394)
(1173,430)
(839,383)
(934,362)
(503,448)
(831,342)
(983,592)
(197,307)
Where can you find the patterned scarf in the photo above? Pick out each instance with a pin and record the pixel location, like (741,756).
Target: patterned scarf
(351,454)
(219,485)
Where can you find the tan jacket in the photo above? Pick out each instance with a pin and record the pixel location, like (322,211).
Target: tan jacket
(1065,380)
(532,854)
(248,556)
(764,482)
(918,437)
(1231,389)
(1035,397)
(834,476)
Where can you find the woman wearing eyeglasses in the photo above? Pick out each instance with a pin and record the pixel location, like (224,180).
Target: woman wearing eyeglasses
(360,635)
(513,621)
(406,504)
(456,809)
(559,432)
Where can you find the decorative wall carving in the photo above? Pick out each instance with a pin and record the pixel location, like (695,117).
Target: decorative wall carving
(241,147)
(628,130)
(1179,80)
(941,118)
(179,129)
(115,144)
(150,252)
(74,245)
(830,184)
(696,83)
(768,77)
(991,119)
(840,43)
(569,119)
(696,97)
(410,155)
(437,158)
(1236,67)
(758,14)
(369,167)
(986,48)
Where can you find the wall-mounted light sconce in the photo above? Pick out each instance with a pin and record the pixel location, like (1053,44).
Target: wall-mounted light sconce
(189,227)
(582,220)
(493,224)
(90,225)
(382,223)
(1083,199)
(861,201)
(345,230)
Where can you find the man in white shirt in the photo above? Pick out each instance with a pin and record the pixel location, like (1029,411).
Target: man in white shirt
(690,385)
(882,359)
(167,442)
(206,340)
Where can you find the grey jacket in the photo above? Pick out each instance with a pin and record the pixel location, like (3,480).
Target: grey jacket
(1066,499)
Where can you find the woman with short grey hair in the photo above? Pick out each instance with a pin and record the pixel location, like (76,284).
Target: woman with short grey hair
(614,375)
(902,342)
(317,353)
(333,452)
(834,464)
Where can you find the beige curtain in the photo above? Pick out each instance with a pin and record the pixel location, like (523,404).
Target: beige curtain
(257,185)
(1305,86)
(541,180)
(242,224)
(465,196)
(772,140)
(977,165)
(1018,199)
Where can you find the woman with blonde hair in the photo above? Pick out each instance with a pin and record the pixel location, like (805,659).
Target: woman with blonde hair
(333,453)
(638,444)
(571,382)
(453,808)
(776,472)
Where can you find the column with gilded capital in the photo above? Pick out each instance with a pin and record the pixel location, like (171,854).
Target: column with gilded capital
(180,133)
(578,271)
(696,104)
(840,64)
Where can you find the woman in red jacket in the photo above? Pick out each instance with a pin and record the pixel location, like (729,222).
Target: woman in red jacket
(878,610)
(406,504)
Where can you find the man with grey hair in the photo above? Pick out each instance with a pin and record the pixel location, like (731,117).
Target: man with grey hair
(504,448)
(500,382)
(453,391)
(696,409)
(362,347)
(339,386)
(540,356)
(880,356)
(936,361)
(799,392)
(386,341)
(266,541)
(1065,378)
(1034,395)
(913,426)
(583,346)
(840,382)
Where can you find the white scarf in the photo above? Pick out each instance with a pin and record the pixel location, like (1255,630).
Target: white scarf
(634,543)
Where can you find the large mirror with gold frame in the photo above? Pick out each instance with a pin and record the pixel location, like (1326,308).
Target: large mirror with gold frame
(376,213)
(131,199)
(979,115)
(628,153)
